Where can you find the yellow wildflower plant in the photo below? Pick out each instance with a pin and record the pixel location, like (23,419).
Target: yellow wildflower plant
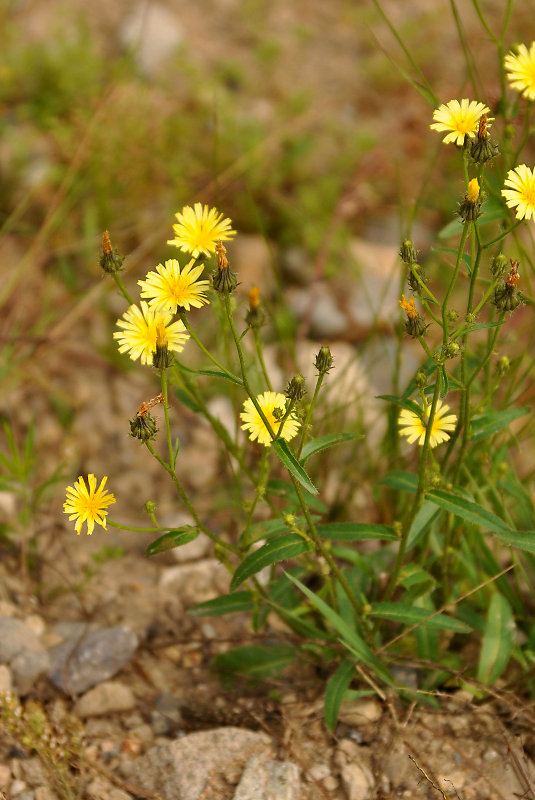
(198,230)
(170,287)
(87,503)
(458,120)
(414,428)
(269,402)
(143,328)
(520,68)
(520,193)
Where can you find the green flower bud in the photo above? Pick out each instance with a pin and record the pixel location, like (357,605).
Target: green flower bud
(408,253)
(324,360)
(110,260)
(143,427)
(296,389)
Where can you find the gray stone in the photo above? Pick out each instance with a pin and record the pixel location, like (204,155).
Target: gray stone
(21,649)
(106,698)
(187,767)
(269,780)
(317,306)
(83,661)
(154,33)
(5,679)
(166,717)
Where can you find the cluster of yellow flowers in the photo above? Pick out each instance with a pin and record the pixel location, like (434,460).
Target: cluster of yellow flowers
(150,324)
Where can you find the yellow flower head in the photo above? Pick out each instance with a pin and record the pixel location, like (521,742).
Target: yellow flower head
(252,421)
(143,328)
(458,119)
(409,307)
(199,229)
(170,287)
(414,428)
(521,70)
(521,193)
(85,505)
(473,190)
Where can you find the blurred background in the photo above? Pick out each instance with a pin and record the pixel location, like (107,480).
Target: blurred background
(293,118)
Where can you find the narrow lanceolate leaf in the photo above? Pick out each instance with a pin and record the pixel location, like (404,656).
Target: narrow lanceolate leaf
(226,604)
(256,661)
(317,445)
(293,465)
(411,615)
(356,531)
(211,373)
(486,424)
(468,510)
(335,690)
(278,549)
(403,402)
(423,519)
(172,539)
(404,481)
(523,540)
(497,644)
(348,635)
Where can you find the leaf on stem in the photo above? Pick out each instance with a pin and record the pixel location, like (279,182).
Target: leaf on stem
(172,539)
(317,445)
(279,549)
(293,465)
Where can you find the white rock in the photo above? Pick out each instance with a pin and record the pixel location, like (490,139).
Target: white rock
(196,582)
(187,767)
(360,712)
(358,781)
(106,698)
(17,787)
(154,33)
(5,777)
(5,679)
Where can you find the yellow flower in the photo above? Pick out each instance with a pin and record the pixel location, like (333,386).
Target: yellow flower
(268,402)
(199,229)
(142,327)
(87,506)
(413,428)
(521,69)
(408,307)
(460,119)
(521,193)
(170,287)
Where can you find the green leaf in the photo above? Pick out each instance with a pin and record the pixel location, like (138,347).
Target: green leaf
(335,690)
(411,615)
(211,373)
(403,402)
(226,604)
(492,422)
(255,661)
(172,539)
(413,575)
(356,531)
(497,644)
(279,549)
(403,481)
(523,540)
(467,510)
(349,637)
(425,516)
(317,445)
(293,465)
(187,400)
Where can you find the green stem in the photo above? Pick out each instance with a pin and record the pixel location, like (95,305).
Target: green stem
(310,411)
(122,288)
(418,497)
(163,379)
(464,236)
(260,354)
(502,235)
(206,352)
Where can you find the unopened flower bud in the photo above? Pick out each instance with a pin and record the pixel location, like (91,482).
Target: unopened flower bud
(420,380)
(470,318)
(414,324)
(451,350)
(143,427)
(161,357)
(110,260)
(499,265)
(223,280)
(408,253)
(452,315)
(324,360)
(503,365)
(470,208)
(482,148)
(296,388)
(150,507)
(415,272)
(255,316)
